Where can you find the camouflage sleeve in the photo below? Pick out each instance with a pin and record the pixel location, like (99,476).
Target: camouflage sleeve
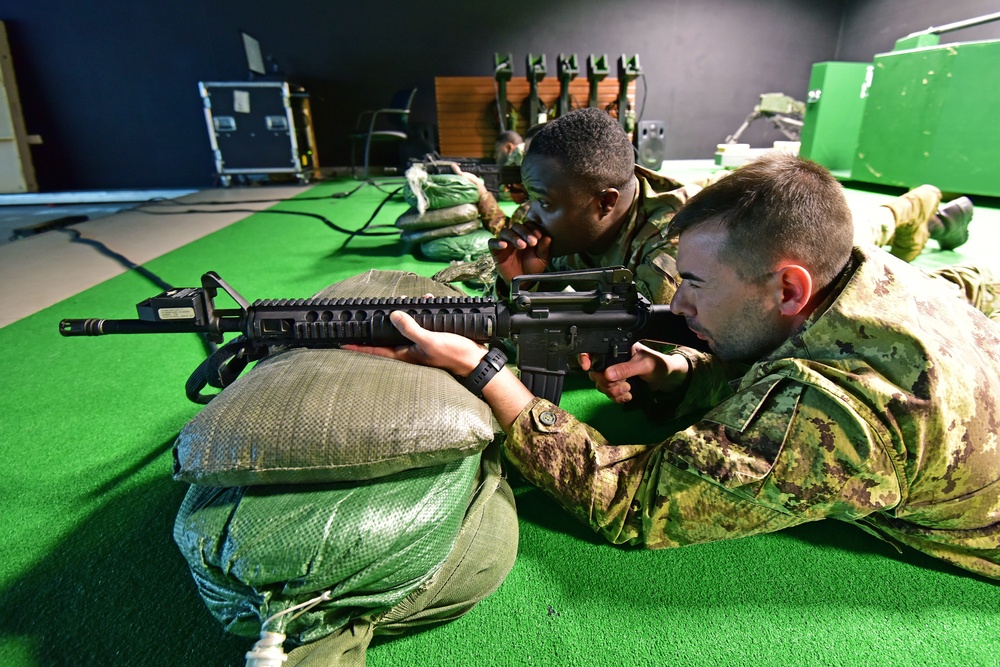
(773,456)
(656,276)
(490,213)
(520,214)
(709,381)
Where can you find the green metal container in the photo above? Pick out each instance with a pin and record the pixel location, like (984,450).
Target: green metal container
(834,108)
(931,117)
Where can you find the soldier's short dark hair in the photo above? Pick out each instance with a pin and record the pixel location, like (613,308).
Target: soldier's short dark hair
(592,148)
(510,136)
(777,207)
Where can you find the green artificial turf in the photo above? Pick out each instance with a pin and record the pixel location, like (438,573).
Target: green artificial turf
(89,573)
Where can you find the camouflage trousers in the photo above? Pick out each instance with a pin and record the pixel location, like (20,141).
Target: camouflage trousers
(478,563)
(976,285)
(901,224)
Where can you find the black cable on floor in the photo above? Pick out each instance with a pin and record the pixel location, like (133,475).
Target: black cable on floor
(118,257)
(329,223)
(368,222)
(77,237)
(335,195)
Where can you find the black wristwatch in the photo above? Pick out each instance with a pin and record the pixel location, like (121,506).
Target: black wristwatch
(480,376)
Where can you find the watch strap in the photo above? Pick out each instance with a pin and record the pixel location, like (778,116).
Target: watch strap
(480,376)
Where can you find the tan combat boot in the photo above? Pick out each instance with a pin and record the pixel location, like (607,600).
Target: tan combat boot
(912,211)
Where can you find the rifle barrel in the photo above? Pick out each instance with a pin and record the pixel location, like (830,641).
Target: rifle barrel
(99,327)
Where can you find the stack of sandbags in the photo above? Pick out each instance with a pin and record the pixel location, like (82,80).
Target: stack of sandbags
(338,484)
(443,220)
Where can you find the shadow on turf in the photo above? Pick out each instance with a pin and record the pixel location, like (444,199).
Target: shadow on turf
(398,249)
(116,591)
(833,534)
(828,563)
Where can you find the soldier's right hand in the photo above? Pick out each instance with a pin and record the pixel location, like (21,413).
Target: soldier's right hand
(661,372)
(521,249)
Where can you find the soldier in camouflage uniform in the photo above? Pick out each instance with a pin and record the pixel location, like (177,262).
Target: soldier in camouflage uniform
(591,206)
(509,149)
(842,384)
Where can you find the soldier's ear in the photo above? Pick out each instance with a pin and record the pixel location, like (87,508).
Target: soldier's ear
(793,284)
(607,200)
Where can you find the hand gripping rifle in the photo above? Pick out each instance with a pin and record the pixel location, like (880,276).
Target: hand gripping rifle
(603,317)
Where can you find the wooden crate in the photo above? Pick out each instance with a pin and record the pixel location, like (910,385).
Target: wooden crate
(467,110)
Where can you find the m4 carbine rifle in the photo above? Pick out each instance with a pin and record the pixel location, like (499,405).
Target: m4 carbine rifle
(604,316)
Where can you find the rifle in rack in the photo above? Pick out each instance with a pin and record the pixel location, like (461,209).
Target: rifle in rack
(503,70)
(597,71)
(566,70)
(604,315)
(628,71)
(537,111)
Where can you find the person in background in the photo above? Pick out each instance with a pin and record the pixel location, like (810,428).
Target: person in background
(509,148)
(907,222)
(591,205)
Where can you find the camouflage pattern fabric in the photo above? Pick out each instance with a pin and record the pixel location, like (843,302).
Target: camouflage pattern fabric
(491,215)
(976,285)
(880,410)
(900,224)
(478,273)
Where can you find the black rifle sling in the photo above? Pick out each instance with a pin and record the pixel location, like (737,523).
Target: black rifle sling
(220,369)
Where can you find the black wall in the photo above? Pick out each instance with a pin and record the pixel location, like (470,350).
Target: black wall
(111,85)
(873,26)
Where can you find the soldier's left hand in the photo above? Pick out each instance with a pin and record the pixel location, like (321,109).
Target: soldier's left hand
(456,354)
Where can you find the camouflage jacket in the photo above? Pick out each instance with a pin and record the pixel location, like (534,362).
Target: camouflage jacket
(880,410)
(641,245)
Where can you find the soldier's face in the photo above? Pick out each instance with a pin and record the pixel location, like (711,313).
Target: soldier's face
(739,320)
(502,150)
(572,217)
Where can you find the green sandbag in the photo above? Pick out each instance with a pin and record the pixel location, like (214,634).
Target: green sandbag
(324,415)
(306,416)
(427,192)
(343,548)
(441,217)
(424,235)
(466,248)
(255,551)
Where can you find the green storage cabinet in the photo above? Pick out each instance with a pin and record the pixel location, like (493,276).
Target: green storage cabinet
(834,108)
(931,117)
